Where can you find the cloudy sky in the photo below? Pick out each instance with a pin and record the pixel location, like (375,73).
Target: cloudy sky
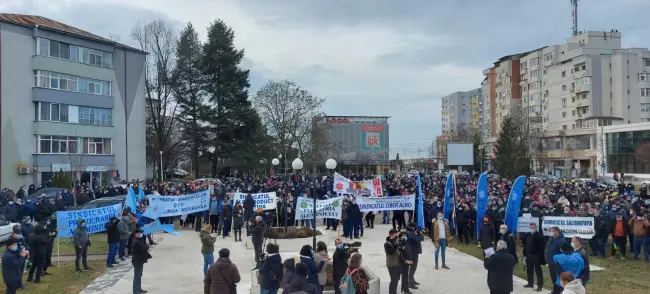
(367,57)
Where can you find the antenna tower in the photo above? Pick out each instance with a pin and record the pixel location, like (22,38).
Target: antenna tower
(574,15)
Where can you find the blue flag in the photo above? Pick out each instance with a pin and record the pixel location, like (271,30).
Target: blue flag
(153,211)
(140,194)
(514,204)
(449,194)
(420,208)
(169,228)
(152,227)
(130,201)
(481,202)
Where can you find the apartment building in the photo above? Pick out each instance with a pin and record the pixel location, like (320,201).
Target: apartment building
(461,111)
(70,101)
(501,93)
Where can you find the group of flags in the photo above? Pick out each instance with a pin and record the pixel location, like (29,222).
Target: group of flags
(153,212)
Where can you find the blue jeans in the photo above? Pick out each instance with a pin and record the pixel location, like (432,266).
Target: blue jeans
(112,252)
(646,248)
(598,246)
(636,246)
(268,291)
(385,219)
(121,248)
(305,223)
(208,259)
(442,246)
(226,226)
(137,277)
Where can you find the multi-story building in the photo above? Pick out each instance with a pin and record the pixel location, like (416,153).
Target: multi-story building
(70,101)
(501,93)
(460,111)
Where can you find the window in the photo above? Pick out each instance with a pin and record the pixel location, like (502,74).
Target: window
(563,87)
(57,144)
(646,61)
(644,77)
(95,116)
(645,92)
(573,113)
(51,80)
(45,111)
(534,73)
(564,73)
(97,146)
(95,58)
(55,112)
(51,112)
(645,107)
(56,49)
(564,127)
(563,114)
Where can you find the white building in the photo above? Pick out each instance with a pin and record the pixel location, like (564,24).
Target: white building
(459,111)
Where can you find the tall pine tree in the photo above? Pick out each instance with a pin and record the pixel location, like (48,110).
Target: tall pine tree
(512,158)
(233,124)
(188,84)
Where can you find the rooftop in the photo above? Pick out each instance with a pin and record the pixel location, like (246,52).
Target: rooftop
(35,21)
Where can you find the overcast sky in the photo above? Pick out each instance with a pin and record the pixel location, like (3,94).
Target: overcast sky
(367,57)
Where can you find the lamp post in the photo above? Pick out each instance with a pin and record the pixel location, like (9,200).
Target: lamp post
(296,165)
(330,164)
(161,167)
(275,162)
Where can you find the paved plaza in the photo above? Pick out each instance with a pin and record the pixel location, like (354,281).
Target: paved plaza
(177,265)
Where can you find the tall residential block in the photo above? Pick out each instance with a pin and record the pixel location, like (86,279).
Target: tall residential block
(462,111)
(70,101)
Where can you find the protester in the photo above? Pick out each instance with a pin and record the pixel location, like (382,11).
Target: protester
(237,221)
(570,284)
(585,274)
(321,255)
(640,227)
(38,244)
(307,257)
(415,242)
(500,267)
(81,241)
(339,264)
(23,247)
(566,261)
(214,213)
(271,270)
(359,276)
(123,229)
(534,256)
(207,247)
(488,236)
(140,256)
(404,251)
(506,235)
(289,270)
(299,283)
(258,229)
(12,266)
(222,276)
(393,260)
(113,239)
(50,234)
(555,243)
(440,236)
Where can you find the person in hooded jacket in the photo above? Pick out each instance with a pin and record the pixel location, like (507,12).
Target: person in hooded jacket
(566,261)
(339,264)
(26,227)
(42,210)
(50,233)
(414,240)
(534,256)
(31,189)
(140,256)
(29,208)
(307,257)
(222,276)
(299,283)
(38,244)
(271,270)
(113,239)
(81,241)
(207,247)
(123,229)
(18,236)
(570,284)
(289,269)
(12,271)
(10,212)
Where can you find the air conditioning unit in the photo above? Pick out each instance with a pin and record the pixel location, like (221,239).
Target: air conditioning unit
(24,170)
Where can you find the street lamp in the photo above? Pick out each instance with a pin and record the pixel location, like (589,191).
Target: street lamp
(330,164)
(161,167)
(296,165)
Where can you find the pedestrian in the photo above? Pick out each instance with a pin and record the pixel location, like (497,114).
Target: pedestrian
(578,246)
(441,234)
(299,283)
(488,234)
(415,242)
(81,241)
(392,261)
(12,266)
(140,256)
(213,213)
(237,221)
(534,256)
(207,247)
(50,234)
(339,264)
(222,276)
(123,229)
(38,245)
(113,239)
(271,270)
(506,235)
(307,257)
(226,216)
(500,267)
(556,242)
(358,274)
(570,284)
(404,251)
(258,229)
(320,255)
(566,261)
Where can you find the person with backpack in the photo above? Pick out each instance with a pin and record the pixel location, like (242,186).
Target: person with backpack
(299,283)
(356,280)
(271,272)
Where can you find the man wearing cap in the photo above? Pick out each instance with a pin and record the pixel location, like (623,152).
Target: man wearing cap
(11,265)
(140,257)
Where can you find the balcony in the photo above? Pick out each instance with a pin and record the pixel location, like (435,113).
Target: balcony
(579,74)
(581,89)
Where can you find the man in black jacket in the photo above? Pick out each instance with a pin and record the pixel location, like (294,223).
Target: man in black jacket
(258,228)
(249,205)
(140,257)
(500,267)
(405,262)
(339,264)
(393,262)
(38,244)
(506,235)
(415,243)
(534,256)
(113,239)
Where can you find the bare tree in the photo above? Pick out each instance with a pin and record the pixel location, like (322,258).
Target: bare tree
(461,134)
(159,39)
(288,113)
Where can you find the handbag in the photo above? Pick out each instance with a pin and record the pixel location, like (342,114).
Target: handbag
(231,286)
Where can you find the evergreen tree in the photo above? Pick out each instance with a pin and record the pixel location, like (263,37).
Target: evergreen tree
(232,122)
(479,152)
(188,83)
(512,157)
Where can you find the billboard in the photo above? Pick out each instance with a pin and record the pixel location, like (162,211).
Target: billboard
(372,137)
(359,143)
(460,154)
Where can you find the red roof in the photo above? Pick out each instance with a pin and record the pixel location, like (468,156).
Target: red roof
(34,21)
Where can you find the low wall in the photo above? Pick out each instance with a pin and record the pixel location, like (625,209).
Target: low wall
(374,282)
(294,245)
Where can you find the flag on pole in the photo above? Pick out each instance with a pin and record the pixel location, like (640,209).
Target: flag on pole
(152,212)
(514,204)
(130,201)
(420,211)
(140,193)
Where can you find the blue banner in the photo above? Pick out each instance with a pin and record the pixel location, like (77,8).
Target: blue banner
(420,208)
(481,202)
(514,204)
(95,218)
(449,194)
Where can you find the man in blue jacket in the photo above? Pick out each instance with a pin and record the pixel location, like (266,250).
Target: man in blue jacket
(567,261)
(553,248)
(11,265)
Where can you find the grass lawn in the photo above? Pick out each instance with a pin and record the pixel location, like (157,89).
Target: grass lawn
(620,276)
(97,241)
(63,280)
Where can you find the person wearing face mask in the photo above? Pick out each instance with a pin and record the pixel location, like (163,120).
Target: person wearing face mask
(140,257)
(505,235)
(392,261)
(566,261)
(339,263)
(12,266)
(213,213)
(534,256)
(237,221)
(618,231)
(10,212)
(640,227)
(500,267)
(81,241)
(555,243)
(440,235)
(38,244)
(487,236)
(585,274)
(405,255)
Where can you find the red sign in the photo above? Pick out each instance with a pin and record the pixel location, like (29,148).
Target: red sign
(372,140)
(372,128)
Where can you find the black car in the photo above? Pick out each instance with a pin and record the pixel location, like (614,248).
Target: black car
(49,193)
(102,202)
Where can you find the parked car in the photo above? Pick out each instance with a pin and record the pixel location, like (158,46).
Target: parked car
(6,228)
(102,202)
(49,193)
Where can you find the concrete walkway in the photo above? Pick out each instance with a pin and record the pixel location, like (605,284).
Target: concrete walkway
(176,267)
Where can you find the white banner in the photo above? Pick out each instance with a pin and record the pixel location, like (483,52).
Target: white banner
(524,222)
(386,203)
(570,226)
(328,208)
(264,201)
(180,205)
(343,185)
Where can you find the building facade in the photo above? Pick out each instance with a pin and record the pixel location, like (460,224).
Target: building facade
(461,111)
(70,101)
(623,149)
(354,140)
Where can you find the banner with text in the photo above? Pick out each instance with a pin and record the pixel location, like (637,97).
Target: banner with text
(328,208)
(343,185)
(95,219)
(386,203)
(264,201)
(179,205)
(524,223)
(570,226)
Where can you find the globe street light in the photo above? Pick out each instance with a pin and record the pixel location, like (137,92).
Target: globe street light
(275,161)
(296,165)
(330,164)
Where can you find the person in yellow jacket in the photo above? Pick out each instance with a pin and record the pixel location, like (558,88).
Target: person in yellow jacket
(440,235)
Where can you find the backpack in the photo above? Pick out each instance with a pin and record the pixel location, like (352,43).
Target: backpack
(347,283)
